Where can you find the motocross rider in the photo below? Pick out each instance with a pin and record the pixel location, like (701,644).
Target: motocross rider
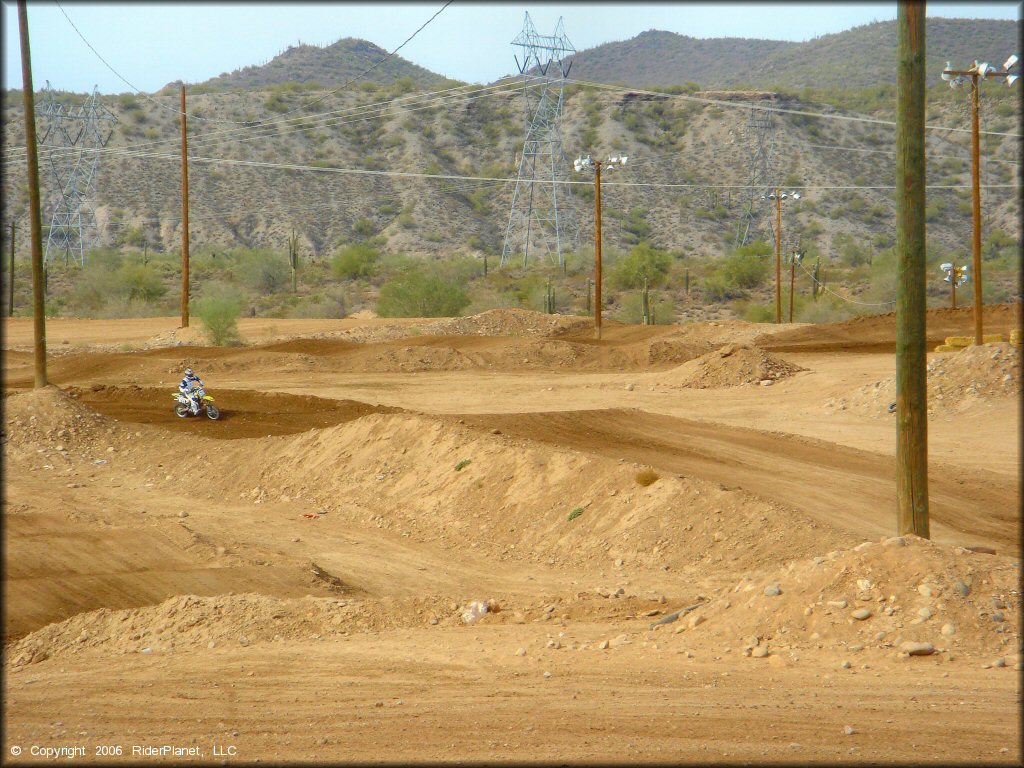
(188,385)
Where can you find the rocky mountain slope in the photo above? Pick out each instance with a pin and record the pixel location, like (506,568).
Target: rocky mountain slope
(433,172)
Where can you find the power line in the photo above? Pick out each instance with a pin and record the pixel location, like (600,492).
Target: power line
(840,296)
(420,102)
(780,110)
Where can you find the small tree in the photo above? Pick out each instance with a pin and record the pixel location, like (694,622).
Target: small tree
(356,261)
(218,310)
(642,261)
(417,294)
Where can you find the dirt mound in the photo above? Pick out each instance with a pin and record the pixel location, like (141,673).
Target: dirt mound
(49,418)
(494,322)
(875,596)
(438,481)
(509,322)
(877,333)
(956,381)
(729,366)
(191,621)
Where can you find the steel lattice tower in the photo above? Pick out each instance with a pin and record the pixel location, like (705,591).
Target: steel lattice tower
(72,139)
(761,179)
(537,216)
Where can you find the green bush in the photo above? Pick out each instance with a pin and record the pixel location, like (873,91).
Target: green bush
(759,313)
(747,266)
(631,309)
(140,282)
(641,261)
(218,310)
(355,261)
(265,271)
(92,289)
(417,294)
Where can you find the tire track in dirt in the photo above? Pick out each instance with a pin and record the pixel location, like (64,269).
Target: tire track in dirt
(839,485)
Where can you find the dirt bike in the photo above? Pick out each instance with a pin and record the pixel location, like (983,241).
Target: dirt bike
(183,406)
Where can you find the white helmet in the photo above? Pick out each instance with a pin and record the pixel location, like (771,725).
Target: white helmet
(189,372)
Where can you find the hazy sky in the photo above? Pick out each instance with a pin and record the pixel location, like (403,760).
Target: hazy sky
(152,44)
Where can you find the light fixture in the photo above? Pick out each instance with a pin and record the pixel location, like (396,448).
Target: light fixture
(945,75)
(1011,61)
(984,68)
(1010,80)
(946,266)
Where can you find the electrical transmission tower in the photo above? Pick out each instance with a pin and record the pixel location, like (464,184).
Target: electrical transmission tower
(762,177)
(538,218)
(72,138)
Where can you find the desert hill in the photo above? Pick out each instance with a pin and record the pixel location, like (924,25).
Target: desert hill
(861,57)
(329,66)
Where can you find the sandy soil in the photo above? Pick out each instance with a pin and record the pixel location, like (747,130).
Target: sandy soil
(498,539)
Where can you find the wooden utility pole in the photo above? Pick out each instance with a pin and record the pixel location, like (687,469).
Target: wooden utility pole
(974,75)
(293,258)
(792,274)
(184,213)
(778,255)
(597,248)
(911,382)
(10,278)
(34,215)
(976,207)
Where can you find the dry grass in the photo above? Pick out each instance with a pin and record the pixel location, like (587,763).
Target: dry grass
(646,477)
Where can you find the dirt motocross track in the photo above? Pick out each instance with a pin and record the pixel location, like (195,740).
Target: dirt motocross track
(497,539)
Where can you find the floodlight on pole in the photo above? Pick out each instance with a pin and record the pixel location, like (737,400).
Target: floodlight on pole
(980,71)
(587,163)
(955,276)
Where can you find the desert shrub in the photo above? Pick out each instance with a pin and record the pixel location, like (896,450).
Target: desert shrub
(635,226)
(715,287)
(218,310)
(265,271)
(418,294)
(92,289)
(850,251)
(746,267)
(646,477)
(140,282)
(641,261)
(333,305)
(827,309)
(759,313)
(355,261)
(364,228)
(631,309)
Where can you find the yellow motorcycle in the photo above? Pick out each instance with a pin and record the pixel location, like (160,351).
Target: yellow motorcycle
(183,406)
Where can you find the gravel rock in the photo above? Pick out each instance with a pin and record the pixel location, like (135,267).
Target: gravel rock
(695,620)
(948,630)
(961,588)
(849,730)
(772,590)
(837,603)
(917,649)
(997,616)
(861,613)
(760,652)
(925,613)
